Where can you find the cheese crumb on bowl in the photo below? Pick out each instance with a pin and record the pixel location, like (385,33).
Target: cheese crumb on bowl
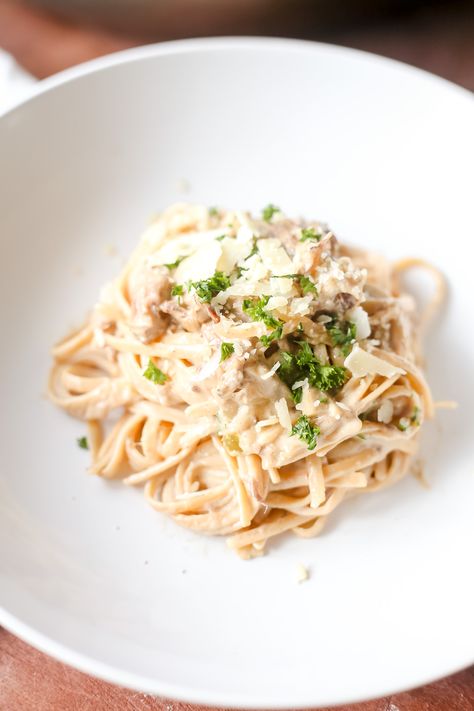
(302,573)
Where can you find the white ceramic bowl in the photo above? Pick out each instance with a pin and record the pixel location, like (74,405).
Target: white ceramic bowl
(88,572)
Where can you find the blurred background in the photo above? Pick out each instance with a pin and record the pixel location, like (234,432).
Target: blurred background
(45,36)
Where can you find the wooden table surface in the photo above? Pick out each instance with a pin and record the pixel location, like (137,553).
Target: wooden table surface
(31,681)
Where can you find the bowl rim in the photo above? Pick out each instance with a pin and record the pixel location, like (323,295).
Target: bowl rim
(65,653)
(164,690)
(197,44)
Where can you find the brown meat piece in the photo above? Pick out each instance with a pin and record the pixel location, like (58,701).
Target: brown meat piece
(150,287)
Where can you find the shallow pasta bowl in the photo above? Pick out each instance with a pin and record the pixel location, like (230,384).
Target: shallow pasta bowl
(88,572)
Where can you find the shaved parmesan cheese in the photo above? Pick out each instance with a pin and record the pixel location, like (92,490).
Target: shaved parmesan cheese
(361,363)
(248,285)
(306,406)
(283,414)
(271,372)
(200,265)
(266,423)
(241,330)
(233,251)
(360,319)
(256,269)
(336,276)
(274,257)
(245,234)
(219,300)
(240,288)
(208,369)
(300,306)
(283,287)
(182,246)
(276,302)
(385,412)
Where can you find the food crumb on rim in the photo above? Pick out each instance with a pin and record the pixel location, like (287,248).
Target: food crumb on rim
(302,573)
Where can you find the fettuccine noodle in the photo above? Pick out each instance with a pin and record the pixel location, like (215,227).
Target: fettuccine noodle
(249,373)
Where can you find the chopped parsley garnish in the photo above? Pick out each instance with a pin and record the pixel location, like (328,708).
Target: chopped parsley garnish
(305,356)
(306,283)
(255,308)
(82,442)
(304,365)
(306,431)
(328,377)
(177,290)
(213,211)
(206,289)
(273,336)
(254,249)
(226,350)
(239,271)
(289,372)
(403,424)
(269,211)
(220,238)
(342,334)
(309,233)
(155,374)
(173,265)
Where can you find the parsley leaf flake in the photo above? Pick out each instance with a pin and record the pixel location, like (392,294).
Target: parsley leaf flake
(255,308)
(307,285)
(269,211)
(173,265)
(342,334)
(304,365)
(306,431)
(309,233)
(206,289)
(177,290)
(226,351)
(155,374)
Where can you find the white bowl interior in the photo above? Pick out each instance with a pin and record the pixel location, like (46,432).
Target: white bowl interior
(90,573)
